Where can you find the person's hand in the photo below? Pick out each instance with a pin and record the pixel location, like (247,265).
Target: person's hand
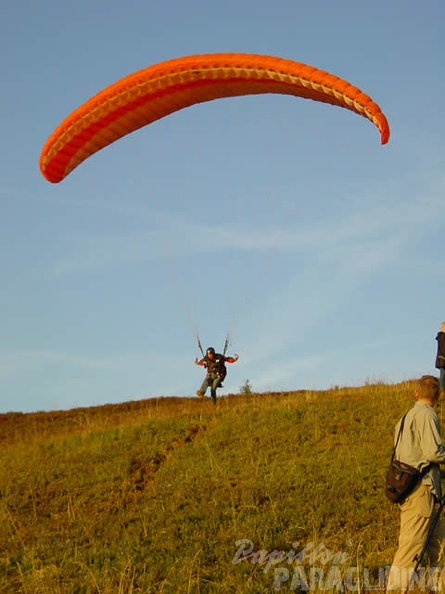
(235,357)
(196,361)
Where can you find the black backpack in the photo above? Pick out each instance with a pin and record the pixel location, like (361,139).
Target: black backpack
(216,365)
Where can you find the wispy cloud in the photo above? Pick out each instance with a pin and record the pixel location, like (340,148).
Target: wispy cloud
(27,361)
(342,253)
(370,229)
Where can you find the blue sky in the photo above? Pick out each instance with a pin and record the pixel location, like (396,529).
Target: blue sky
(281,221)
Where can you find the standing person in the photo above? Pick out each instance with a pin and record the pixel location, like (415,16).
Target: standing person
(216,371)
(420,445)
(440,357)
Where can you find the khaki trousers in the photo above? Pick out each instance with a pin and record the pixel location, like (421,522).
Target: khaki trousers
(415,515)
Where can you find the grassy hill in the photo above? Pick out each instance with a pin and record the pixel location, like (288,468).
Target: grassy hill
(176,495)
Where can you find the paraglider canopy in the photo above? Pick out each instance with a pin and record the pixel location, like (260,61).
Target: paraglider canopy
(159,90)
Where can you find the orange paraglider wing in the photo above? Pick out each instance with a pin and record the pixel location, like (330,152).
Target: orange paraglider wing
(154,92)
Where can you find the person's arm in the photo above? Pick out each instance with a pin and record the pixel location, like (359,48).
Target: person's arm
(430,439)
(441,343)
(200,362)
(233,359)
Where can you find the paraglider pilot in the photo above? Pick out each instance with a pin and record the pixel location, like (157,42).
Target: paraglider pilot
(215,363)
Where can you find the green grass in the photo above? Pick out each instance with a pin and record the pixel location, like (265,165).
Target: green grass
(153,496)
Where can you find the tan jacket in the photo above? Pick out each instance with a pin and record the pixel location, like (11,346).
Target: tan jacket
(420,443)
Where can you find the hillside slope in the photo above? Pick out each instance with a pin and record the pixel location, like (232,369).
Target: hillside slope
(170,494)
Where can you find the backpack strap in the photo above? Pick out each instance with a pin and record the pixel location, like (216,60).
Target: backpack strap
(402,422)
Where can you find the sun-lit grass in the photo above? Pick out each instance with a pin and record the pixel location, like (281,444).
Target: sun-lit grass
(152,496)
